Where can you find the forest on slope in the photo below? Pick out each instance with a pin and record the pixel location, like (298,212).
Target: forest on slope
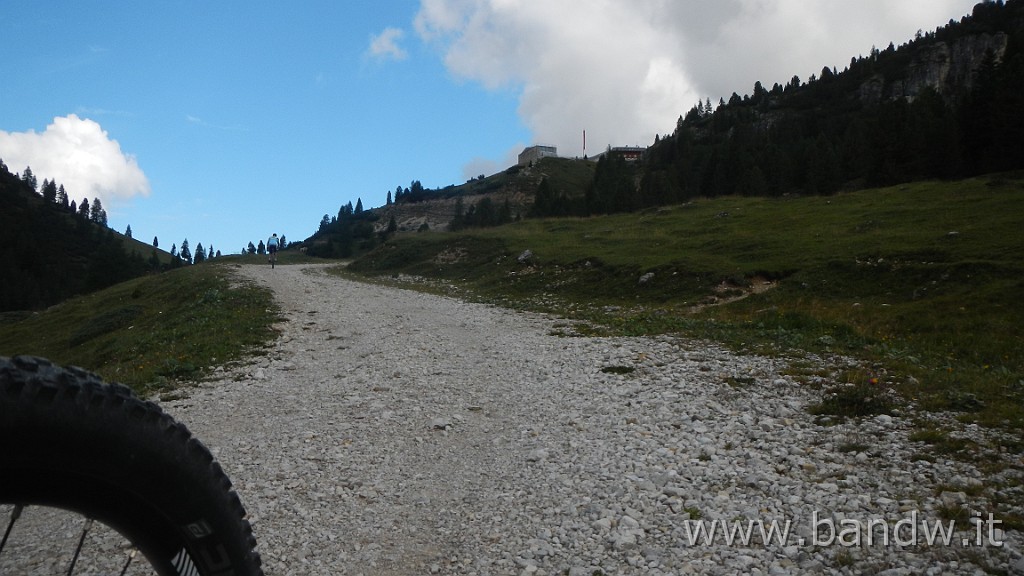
(50,252)
(945,105)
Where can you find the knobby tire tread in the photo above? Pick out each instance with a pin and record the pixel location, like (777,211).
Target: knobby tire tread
(70,440)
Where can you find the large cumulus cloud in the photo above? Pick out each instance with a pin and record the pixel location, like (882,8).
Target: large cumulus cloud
(79,154)
(625,71)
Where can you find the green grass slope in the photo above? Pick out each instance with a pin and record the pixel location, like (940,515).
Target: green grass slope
(920,281)
(153,331)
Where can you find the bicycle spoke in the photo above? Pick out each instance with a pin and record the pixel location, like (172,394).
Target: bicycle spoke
(131,556)
(15,514)
(81,540)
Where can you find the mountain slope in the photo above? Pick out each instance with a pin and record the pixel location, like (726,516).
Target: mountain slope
(49,254)
(945,105)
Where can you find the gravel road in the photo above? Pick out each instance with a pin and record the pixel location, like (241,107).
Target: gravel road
(393,432)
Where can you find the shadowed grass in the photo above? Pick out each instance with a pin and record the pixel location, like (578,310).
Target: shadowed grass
(153,331)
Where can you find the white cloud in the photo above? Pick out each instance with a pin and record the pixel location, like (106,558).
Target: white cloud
(625,71)
(385,45)
(79,154)
(479,166)
(489,166)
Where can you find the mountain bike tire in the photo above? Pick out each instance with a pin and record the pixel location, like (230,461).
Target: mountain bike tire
(69,440)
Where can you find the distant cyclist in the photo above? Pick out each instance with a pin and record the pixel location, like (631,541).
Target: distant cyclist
(272,244)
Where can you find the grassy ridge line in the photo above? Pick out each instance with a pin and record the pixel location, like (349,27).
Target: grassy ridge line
(153,331)
(922,281)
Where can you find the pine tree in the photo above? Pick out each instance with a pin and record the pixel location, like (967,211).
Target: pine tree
(251,249)
(83,208)
(156,243)
(49,190)
(359,206)
(174,251)
(29,178)
(62,196)
(261,248)
(97,214)
(200,254)
(186,254)
(505,213)
(128,231)
(543,200)
(458,221)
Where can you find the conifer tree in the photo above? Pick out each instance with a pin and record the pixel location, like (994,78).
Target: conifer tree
(29,178)
(97,214)
(186,254)
(49,190)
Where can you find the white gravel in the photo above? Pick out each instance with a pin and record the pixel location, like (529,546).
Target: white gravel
(394,432)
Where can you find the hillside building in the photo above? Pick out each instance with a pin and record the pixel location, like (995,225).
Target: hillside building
(534,153)
(628,153)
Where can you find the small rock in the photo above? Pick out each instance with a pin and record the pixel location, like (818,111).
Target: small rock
(623,541)
(537,455)
(628,523)
(951,499)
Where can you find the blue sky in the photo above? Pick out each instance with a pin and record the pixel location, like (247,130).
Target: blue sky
(225,121)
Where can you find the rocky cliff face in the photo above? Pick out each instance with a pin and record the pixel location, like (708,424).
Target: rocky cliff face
(946,67)
(436,214)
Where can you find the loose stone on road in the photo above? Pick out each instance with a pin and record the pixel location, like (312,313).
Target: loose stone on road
(389,431)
